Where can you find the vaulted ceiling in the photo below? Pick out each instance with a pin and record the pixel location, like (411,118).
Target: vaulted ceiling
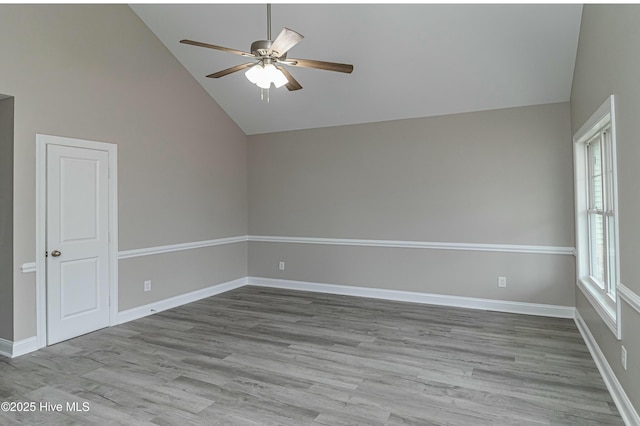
(412,60)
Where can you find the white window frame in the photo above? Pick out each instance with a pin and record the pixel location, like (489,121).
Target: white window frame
(606,306)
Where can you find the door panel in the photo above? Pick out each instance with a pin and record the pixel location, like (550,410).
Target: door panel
(77,228)
(79,295)
(79,219)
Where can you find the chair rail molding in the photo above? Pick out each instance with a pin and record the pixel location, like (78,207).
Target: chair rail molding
(149,251)
(629,296)
(507,248)
(502,248)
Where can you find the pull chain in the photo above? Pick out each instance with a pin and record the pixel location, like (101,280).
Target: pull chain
(264,95)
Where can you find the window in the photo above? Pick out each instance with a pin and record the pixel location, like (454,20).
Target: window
(596,213)
(600,211)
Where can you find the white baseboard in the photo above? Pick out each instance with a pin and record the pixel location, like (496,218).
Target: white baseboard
(14,349)
(173,302)
(25,346)
(625,407)
(427,298)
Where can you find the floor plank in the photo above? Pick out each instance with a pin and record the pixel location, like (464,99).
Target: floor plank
(257,356)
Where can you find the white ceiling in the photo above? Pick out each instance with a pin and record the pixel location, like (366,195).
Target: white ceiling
(414,60)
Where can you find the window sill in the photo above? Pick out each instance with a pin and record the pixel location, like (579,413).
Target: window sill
(604,306)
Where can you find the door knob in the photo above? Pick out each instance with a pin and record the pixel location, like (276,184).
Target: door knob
(55,253)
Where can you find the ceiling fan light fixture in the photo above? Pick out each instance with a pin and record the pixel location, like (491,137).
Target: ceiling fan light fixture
(264,75)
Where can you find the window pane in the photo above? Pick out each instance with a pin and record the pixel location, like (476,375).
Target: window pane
(611,256)
(608,172)
(596,247)
(595,157)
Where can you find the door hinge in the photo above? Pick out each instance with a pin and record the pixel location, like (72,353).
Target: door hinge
(46,254)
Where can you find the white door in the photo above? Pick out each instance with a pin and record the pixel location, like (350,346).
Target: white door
(77,241)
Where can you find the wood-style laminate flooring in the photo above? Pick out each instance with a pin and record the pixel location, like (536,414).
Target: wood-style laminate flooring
(258,356)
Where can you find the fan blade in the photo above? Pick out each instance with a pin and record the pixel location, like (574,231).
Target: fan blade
(213,46)
(321,65)
(293,83)
(285,41)
(231,70)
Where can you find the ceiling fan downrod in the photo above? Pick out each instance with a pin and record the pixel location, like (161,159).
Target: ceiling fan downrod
(269,21)
(264,93)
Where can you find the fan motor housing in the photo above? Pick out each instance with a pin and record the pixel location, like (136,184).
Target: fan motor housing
(261,48)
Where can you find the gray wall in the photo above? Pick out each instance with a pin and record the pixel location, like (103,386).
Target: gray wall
(6,218)
(608,62)
(501,177)
(97,72)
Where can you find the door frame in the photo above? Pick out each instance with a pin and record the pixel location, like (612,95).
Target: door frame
(42,141)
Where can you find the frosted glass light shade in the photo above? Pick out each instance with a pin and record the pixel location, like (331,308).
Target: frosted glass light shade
(254,73)
(275,76)
(264,75)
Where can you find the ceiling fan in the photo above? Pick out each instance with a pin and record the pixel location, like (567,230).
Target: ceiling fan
(270,56)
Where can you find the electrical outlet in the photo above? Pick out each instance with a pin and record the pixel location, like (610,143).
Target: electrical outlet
(281,266)
(502,282)
(623,357)
(147,285)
